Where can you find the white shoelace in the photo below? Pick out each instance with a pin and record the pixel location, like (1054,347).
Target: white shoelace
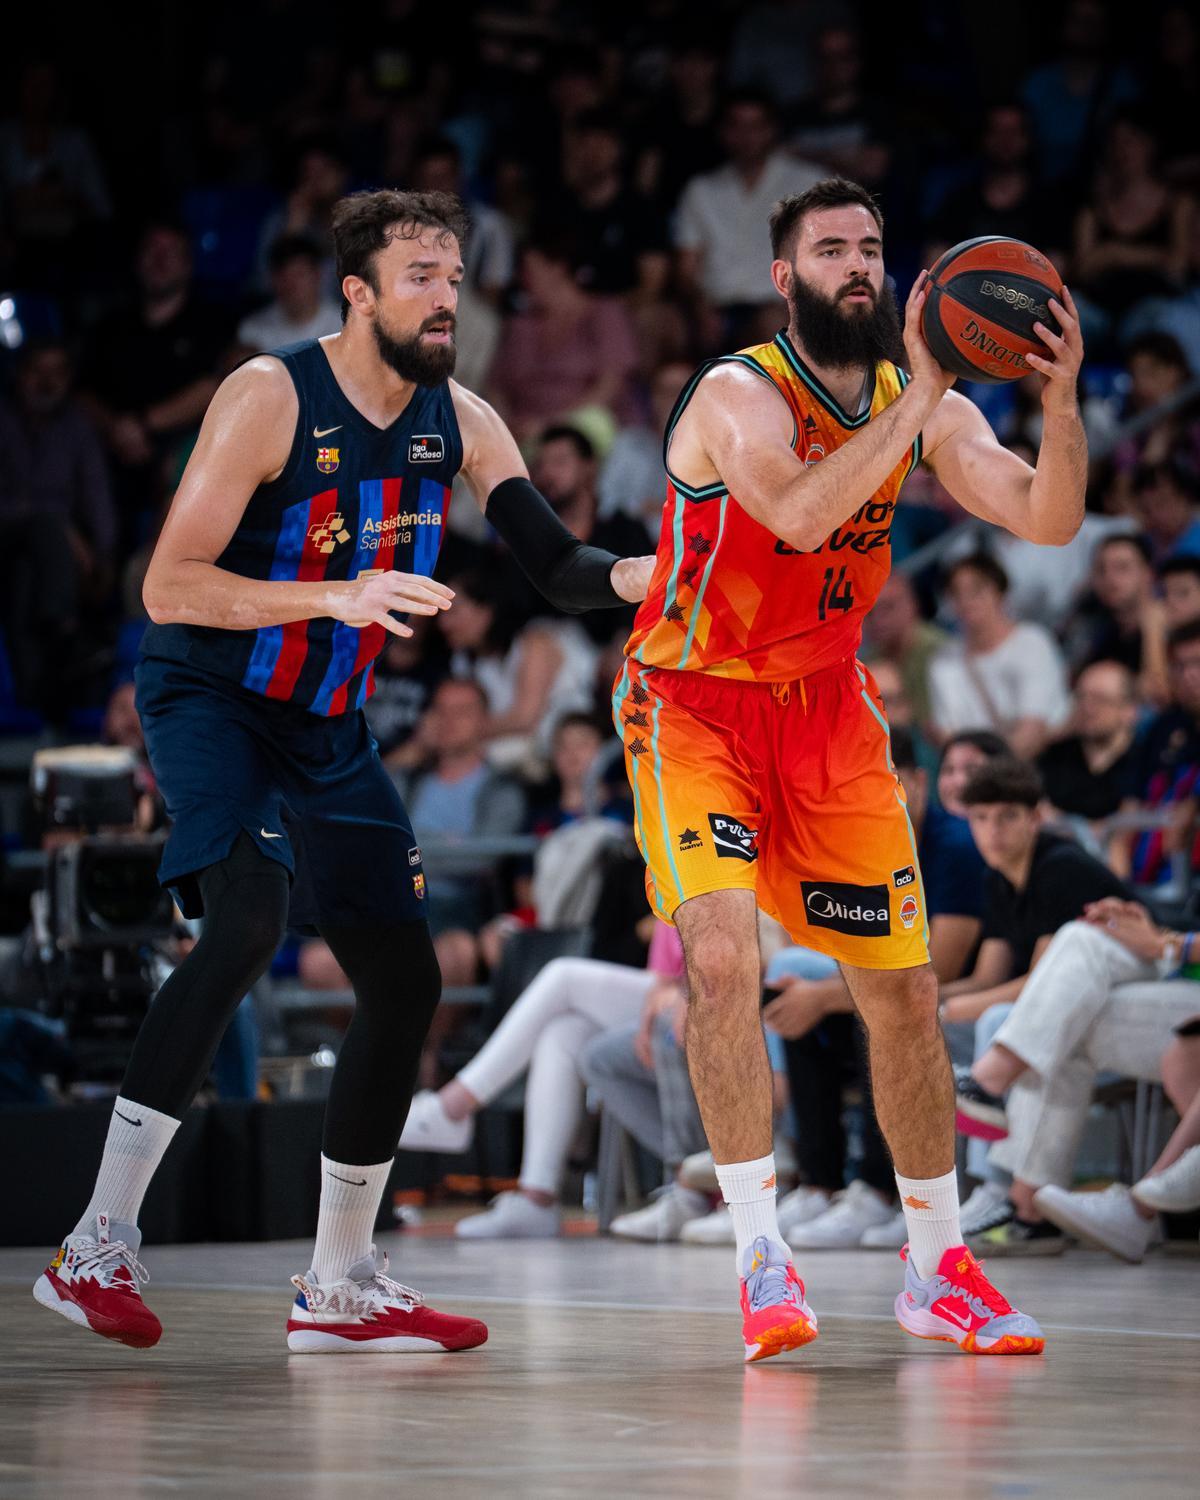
(107,1260)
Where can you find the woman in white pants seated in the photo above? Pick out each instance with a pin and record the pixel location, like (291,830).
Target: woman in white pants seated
(571,1001)
(1105,996)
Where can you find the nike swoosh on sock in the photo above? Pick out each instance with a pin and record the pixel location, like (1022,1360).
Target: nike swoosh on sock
(126,1118)
(350,1180)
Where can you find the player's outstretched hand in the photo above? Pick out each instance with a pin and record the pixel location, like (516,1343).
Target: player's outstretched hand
(1059,367)
(371,600)
(921,364)
(631,577)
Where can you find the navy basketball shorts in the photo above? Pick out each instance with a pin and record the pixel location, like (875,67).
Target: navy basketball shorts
(311,792)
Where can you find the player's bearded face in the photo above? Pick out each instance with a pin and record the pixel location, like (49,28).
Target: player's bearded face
(839,332)
(418,358)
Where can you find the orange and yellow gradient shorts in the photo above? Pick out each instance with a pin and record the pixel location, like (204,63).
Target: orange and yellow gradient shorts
(783,789)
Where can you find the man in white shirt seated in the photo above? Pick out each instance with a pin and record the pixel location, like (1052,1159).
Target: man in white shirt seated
(999,674)
(300,309)
(720,228)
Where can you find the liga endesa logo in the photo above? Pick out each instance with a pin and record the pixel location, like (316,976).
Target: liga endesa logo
(858,910)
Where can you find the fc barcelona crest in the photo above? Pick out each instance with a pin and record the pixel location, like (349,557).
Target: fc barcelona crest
(418,881)
(327,459)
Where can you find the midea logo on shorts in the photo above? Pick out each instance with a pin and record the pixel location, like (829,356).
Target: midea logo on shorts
(823,905)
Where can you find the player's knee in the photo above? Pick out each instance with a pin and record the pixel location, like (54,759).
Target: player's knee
(910,1004)
(720,967)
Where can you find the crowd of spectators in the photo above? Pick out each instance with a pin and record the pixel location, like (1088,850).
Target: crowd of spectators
(619,164)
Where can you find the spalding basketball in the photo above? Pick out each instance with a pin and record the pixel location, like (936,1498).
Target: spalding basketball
(983,298)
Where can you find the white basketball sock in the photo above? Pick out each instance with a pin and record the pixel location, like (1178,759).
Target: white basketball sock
(930,1207)
(349,1203)
(749,1189)
(137,1141)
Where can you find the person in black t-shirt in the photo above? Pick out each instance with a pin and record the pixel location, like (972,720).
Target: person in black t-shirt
(1036,883)
(151,368)
(1086,775)
(564,469)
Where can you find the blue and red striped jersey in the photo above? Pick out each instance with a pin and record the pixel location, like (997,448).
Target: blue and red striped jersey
(353,498)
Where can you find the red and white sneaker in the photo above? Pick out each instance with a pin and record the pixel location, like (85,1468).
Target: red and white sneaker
(961,1306)
(366,1312)
(775,1316)
(94,1281)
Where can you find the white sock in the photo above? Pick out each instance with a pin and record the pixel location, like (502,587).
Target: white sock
(749,1189)
(930,1207)
(137,1140)
(349,1203)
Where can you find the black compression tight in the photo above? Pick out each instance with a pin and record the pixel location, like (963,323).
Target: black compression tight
(397,986)
(245,915)
(396,981)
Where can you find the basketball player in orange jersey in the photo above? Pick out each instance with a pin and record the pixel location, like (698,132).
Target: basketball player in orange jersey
(757,745)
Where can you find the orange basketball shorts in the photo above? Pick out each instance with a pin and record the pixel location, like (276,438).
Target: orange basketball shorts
(783,789)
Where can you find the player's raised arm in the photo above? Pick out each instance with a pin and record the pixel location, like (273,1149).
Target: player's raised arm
(570,574)
(245,441)
(740,432)
(1042,504)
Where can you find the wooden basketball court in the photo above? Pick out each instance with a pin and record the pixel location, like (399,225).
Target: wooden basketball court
(612,1369)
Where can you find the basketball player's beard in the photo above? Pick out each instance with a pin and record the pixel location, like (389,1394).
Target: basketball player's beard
(423,364)
(840,338)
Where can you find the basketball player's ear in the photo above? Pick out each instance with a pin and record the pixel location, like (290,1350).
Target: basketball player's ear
(359,295)
(781,277)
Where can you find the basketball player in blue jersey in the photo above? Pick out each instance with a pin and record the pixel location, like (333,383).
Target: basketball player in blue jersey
(306,526)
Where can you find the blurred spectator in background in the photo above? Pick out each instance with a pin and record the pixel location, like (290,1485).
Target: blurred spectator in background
(320,178)
(1037,882)
(1166,772)
(895,631)
(633,478)
(453,795)
(151,369)
(837,126)
(1006,676)
(572,791)
(1179,580)
(1086,773)
(406,675)
(57,529)
(52,465)
(1072,99)
(489,255)
(1167,502)
(679,135)
(962,755)
(1122,620)
(1173,82)
(622,240)
(774,48)
(1158,370)
(52,187)
(566,350)
(721,225)
(564,469)
(1132,240)
(301,308)
(1002,196)
(530,674)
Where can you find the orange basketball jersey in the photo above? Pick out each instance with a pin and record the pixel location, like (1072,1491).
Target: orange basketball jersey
(727,595)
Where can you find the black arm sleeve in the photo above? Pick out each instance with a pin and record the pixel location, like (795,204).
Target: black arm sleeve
(573,576)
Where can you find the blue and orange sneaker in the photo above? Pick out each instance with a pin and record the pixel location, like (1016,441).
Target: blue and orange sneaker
(961,1306)
(775,1316)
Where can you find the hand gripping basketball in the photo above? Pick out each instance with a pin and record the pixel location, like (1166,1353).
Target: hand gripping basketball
(921,364)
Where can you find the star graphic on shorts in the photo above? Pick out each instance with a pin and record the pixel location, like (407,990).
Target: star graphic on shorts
(699,544)
(637,747)
(673,612)
(638,720)
(688,577)
(639,694)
